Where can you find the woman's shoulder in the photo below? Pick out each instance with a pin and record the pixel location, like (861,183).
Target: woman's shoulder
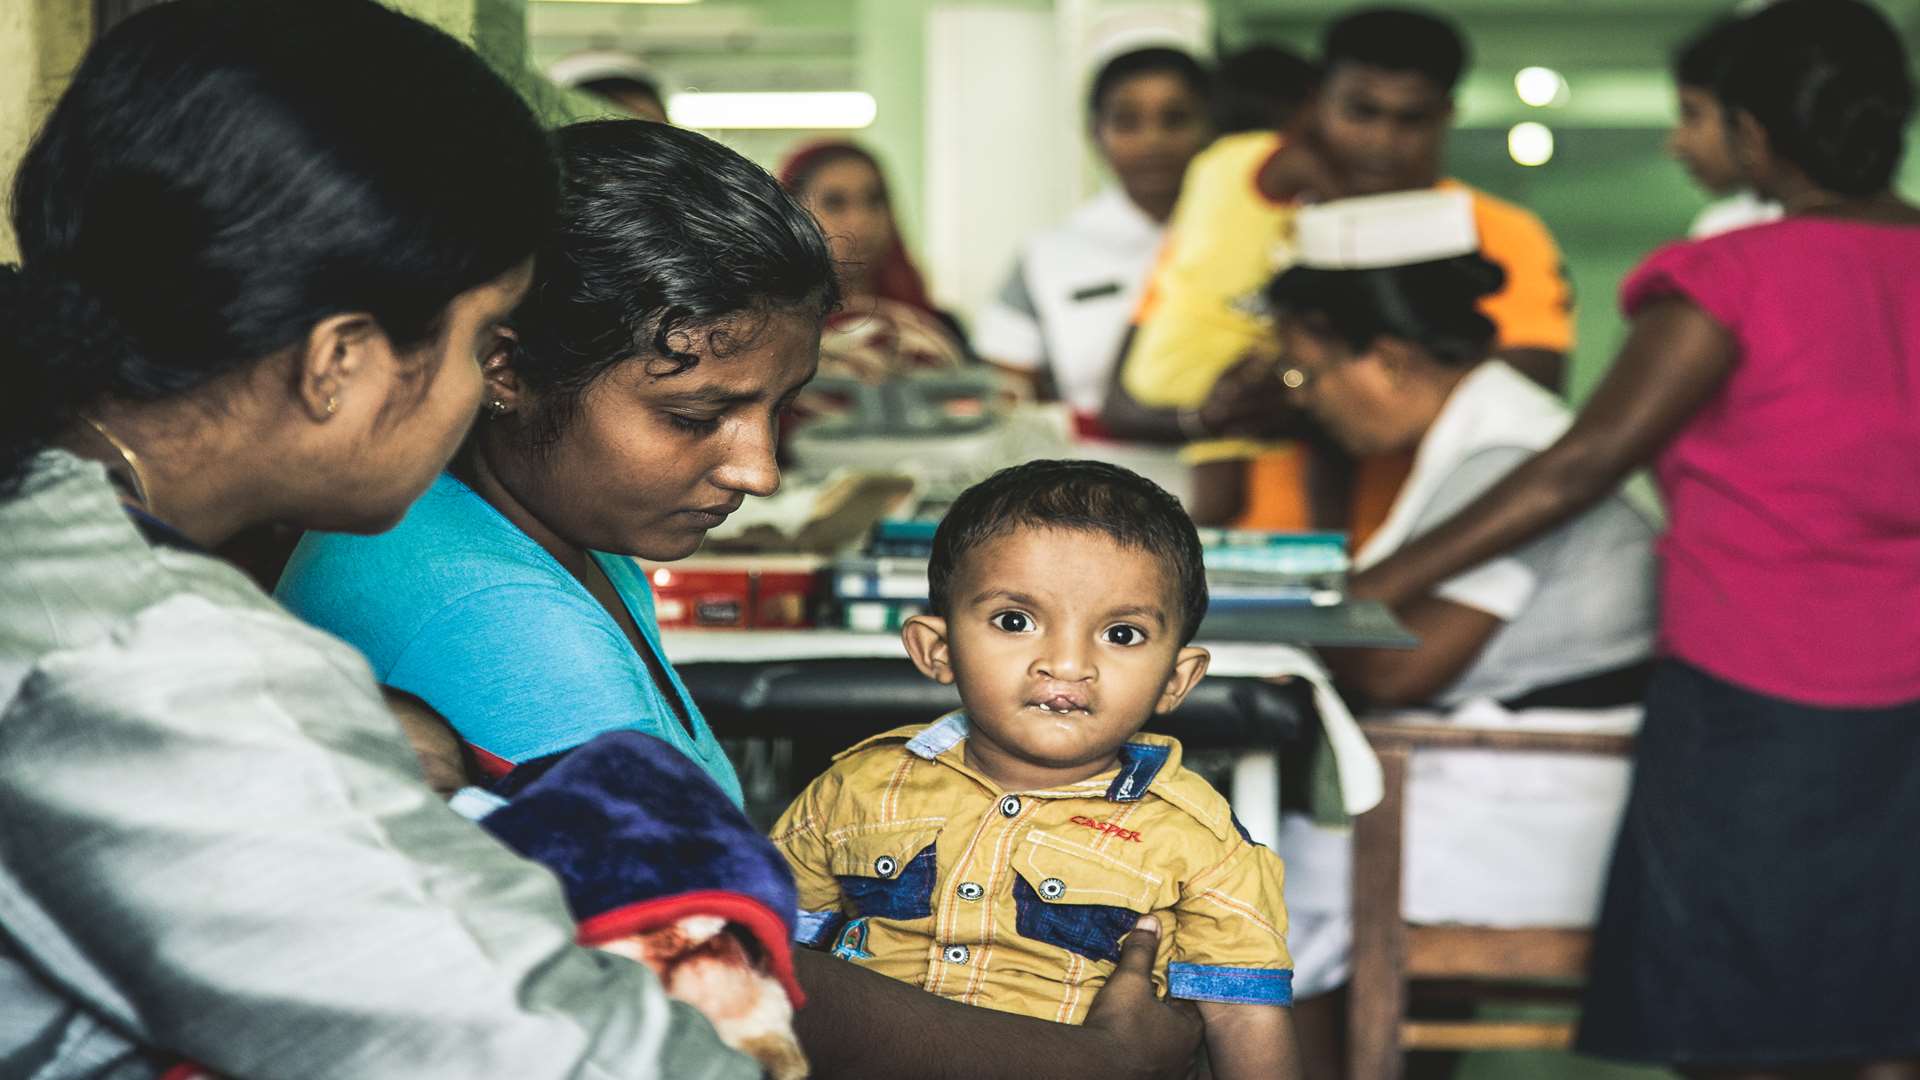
(451,549)
(103,622)
(77,567)
(1733,273)
(451,542)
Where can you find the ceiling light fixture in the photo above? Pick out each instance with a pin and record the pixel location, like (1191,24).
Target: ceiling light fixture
(839,110)
(1530,144)
(1540,86)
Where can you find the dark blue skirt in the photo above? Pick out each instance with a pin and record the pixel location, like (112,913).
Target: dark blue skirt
(1763,906)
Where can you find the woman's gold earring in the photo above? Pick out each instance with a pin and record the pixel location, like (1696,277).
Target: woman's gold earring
(333,405)
(497,408)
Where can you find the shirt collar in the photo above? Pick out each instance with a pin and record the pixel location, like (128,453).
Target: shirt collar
(1140,761)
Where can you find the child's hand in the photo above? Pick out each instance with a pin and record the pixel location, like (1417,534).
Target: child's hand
(1158,1038)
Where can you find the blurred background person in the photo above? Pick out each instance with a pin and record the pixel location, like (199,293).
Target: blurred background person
(1389,351)
(615,78)
(1261,88)
(1379,124)
(1059,320)
(887,325)
(1772,378)
(1700,140)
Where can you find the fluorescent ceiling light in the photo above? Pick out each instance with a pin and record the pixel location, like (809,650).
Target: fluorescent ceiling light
(836,109)
(1530,143)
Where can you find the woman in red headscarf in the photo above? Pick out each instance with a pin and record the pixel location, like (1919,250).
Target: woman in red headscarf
(887,326)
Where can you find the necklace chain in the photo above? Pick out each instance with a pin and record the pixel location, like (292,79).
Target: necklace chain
(127,455)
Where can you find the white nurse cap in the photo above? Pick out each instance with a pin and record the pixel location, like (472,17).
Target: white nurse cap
(586,67)
(1396,229)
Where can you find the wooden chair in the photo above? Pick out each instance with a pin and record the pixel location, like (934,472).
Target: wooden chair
(1390,955)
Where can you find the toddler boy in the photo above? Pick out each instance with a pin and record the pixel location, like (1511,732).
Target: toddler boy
(999,855)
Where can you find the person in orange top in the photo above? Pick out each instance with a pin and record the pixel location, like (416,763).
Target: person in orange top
(1201,345)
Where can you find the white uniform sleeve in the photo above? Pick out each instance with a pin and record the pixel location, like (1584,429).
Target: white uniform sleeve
(1008,329)
(1502,586)
(213,837)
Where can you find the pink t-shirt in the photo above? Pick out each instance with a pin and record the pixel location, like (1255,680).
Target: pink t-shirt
(1791,563)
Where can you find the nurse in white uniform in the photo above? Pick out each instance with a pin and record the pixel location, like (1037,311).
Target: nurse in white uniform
(1059,320)
(1385,345)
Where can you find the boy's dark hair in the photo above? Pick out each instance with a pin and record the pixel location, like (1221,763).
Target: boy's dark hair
(1829,81)
(1701,60)
(1260,87)
(1156,60)
(1435,305)
(1082,496)
(663,232)
(1397,39)
(212,185)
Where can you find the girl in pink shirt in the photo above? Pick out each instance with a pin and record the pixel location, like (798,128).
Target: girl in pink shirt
(1763,910)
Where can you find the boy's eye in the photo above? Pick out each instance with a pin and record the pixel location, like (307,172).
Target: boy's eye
(1123,634)
(1013,622)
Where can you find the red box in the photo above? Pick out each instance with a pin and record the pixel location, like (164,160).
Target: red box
(740,592)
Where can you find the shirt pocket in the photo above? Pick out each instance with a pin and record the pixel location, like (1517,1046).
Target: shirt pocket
(887,871)
(1073,897)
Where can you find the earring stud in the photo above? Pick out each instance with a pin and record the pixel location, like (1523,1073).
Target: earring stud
(333,405)
(497,408)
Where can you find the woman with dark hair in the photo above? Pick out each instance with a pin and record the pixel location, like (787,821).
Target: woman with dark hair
(675,312)
(1759,917)
(1388,351)
(256,287)
(888,325)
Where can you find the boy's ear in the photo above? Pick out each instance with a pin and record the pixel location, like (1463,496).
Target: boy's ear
(1188,667)
(926,640)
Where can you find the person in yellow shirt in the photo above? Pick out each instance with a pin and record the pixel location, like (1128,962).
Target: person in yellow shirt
(998,856)
(1203,346)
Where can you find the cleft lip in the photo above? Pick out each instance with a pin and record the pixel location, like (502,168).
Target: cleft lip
(1060,698)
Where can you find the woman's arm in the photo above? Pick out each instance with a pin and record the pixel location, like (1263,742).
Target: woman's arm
(360,928)
(861,1024)
(1247,401)
(1675,358)
(1451,637)
(1250,1042)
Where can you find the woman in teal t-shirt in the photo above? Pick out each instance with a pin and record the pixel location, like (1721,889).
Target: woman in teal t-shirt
(633,403)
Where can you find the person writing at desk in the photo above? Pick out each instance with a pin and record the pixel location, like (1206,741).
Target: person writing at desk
(1389,352)
(1772,378)
(1379,124)
(631,402)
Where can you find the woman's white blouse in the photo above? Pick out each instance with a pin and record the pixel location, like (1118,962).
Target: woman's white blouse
(215,843)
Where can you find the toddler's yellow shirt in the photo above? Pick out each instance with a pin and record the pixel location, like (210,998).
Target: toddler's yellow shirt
(915,865)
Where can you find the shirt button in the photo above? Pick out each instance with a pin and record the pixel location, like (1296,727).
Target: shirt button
(1010,806)
(970,890)
(956,954)
(1053,888)
(885,866)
